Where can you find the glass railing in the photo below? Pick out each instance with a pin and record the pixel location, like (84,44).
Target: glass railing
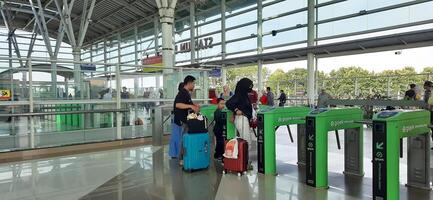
(37,112)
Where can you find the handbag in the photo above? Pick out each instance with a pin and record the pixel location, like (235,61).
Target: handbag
(197,123)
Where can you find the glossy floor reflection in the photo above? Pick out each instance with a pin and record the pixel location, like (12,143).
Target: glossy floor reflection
(148,173)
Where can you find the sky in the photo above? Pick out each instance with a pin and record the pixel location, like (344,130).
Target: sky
(377,62)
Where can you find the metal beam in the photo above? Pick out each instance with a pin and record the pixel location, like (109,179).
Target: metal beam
(87,17)
(32,44)
(5,19)
(40,20)
(33,19)
(65,18)
(131,7)
(60,35)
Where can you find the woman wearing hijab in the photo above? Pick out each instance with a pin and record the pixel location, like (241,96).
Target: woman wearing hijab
(242,108)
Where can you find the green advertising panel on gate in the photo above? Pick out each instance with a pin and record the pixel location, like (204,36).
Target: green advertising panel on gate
(388,128)
(208,111)
(267,120)
(229,129)
(318,123)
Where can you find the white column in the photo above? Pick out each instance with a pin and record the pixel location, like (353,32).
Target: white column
(32,122)
(118,90)
(166,17)
(259,44)
(192,30)
(136,63)
(310,56)
(77,70)
(223,41)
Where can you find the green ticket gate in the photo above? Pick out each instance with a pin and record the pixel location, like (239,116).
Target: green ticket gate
(208,111)
(229,129)
(388,128)
(318,123)
(267,121)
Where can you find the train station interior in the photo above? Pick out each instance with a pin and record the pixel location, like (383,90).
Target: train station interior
(338,104)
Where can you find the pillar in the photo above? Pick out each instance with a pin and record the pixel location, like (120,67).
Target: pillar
(166,18)
(311,62)
(259,44)
(192,30)
(77,71)
(223,42)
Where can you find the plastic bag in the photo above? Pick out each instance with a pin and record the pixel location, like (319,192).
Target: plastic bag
(231,149)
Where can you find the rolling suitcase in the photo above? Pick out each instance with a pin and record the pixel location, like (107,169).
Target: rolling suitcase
(239,165)
(196,151)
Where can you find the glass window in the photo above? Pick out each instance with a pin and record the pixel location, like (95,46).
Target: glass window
(241,32)
(209,28)
(241,19)
(242,45)
(214,51)
(284,22)
(285,37)
(341,9)
(283,7)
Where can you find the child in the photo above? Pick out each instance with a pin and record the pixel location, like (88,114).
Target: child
(218,129)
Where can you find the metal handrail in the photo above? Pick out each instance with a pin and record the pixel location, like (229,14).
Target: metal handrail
(63,113)
(376,102)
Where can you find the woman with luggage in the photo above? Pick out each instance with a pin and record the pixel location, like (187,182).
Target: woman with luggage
(242,108)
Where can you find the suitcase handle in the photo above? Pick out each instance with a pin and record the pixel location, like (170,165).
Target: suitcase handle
(205,146)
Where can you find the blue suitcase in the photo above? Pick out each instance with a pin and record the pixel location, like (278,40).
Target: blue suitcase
(196,151)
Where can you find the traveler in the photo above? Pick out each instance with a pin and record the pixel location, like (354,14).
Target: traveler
(176,134)
(282,98)
(322,101)
(218,129)
(182,104)
(270,96)
(411,93)
(264,98)
(124,94)
(242,108)
(226,94)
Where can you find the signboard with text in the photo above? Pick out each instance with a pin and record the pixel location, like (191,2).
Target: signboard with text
(5,95)
(155,61)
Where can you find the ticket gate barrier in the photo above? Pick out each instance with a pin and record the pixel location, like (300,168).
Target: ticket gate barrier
(229,129)
(318,124)
(208,110)
(267,121)
(388,128)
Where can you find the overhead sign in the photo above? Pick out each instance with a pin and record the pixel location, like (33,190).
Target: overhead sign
(152,61)
(5,95)
(88,67)
(204,43)
(215,73)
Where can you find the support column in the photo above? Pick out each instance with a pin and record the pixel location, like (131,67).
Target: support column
(192,30)
(223,41)
(54,76)
(136,78)
(166,17)
(311,62)
(77,71)
(259,44)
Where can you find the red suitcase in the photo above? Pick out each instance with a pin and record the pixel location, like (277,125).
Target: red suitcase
(239,165)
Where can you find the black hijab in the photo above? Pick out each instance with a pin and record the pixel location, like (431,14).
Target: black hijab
(240,99)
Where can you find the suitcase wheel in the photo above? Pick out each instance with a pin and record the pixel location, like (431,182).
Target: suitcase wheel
(224,172)
(245,172)
(239,174)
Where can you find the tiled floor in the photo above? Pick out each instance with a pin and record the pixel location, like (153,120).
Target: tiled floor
(148,173)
